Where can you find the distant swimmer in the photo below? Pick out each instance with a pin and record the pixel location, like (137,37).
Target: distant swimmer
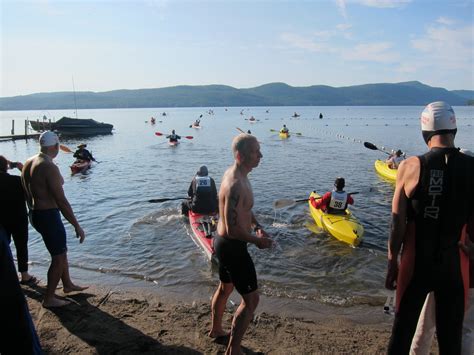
(320,116)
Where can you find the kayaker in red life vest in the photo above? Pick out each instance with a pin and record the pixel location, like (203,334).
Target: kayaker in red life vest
(173,137)
(395,159)
(335,201)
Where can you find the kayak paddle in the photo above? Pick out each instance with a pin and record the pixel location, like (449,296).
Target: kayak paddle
(288,202)
(374,147)
(158,200)
(65,148)
(296,133)
(240,130)
(162,134)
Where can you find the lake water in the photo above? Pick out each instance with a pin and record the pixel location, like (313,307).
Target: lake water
(129,239)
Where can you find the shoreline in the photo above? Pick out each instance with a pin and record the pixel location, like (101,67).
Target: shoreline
(108,319)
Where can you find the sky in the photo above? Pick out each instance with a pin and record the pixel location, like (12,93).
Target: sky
(46,46)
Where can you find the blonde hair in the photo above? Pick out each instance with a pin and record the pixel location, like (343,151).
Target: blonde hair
(241,144)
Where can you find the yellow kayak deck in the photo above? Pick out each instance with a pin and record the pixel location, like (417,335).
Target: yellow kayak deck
(345,228)
(284,135)
(382,168)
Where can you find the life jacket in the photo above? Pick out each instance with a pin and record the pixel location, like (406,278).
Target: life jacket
(338,202)
(396,161)
(203,183)
(204,196)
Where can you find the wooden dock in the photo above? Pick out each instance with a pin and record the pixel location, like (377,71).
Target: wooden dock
(25,135)
(13,137)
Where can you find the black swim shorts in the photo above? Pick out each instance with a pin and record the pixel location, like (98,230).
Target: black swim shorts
(48,223)
(235,264)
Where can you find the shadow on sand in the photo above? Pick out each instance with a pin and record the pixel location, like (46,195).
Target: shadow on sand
(106,333)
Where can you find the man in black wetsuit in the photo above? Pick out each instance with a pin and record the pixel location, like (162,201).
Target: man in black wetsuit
(202,193)
(13,215)
(432,204)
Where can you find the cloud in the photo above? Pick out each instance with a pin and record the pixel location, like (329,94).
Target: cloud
(343,26)
(383,3)
(445,21)
(341,4)
(448,48)
(372,52)
(409,68)
(301,42)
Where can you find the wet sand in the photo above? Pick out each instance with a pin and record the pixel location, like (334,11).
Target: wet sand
(111,320)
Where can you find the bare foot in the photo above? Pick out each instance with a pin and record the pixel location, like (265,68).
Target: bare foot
(74,288)
(218,334)
(55,302)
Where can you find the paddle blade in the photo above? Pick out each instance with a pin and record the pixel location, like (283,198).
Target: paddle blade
(158,200)
(188,137)
(284,202)
(370,146)
(65,148)
(158,134)
(298,134)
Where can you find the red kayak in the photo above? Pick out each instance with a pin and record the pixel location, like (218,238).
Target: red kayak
(204,230)
(173,143)
(80,166)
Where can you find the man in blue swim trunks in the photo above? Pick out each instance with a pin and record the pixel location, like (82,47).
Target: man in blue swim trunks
(236,268)
(43,184)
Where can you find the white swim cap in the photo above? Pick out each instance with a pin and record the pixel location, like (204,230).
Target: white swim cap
(48,139)
(437,118)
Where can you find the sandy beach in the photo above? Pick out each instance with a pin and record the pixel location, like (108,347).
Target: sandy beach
(111,321)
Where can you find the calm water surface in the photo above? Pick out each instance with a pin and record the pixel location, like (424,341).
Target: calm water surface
(133,240)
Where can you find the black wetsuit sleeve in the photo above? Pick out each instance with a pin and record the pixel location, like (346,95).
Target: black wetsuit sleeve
(191,189)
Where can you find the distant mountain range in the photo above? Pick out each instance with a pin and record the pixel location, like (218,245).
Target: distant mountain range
(274,94)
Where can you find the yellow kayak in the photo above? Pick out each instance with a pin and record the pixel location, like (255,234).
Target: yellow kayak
(284,135)
(345,228)
(382,168)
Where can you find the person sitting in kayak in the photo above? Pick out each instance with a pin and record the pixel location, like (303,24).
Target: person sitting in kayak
(335,201)
(284,130)
(196,123)
(173,137)
(202,194)
(82,153)
(395,159)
